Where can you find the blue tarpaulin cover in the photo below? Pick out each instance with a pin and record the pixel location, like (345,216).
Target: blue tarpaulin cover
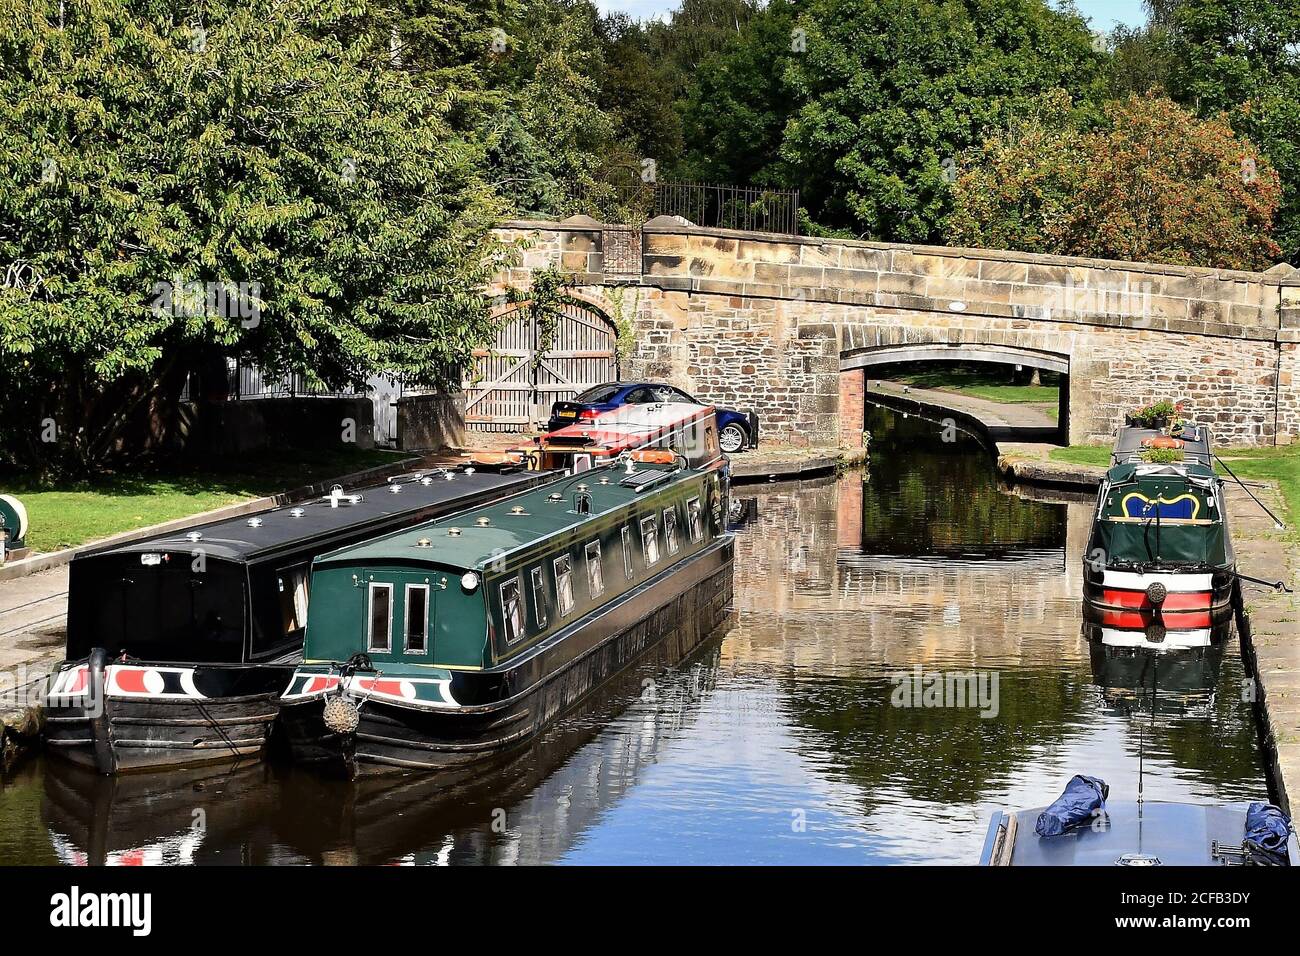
(1082,798)
(1267,832)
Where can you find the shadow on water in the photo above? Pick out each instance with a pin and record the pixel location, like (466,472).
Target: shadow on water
(933,492)
(907,655)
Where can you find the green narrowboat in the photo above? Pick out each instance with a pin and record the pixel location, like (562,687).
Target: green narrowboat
(456,640)
(1159,571)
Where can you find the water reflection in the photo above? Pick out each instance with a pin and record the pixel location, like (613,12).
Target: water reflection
(778,742)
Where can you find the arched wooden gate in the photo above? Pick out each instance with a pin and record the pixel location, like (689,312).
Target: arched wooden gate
(512,387)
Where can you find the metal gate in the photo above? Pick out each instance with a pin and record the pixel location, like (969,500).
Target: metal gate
(513,387)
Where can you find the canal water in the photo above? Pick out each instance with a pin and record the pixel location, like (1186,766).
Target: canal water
(812,730)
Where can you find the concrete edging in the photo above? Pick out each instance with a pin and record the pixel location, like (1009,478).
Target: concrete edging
(814,463)
(54,559)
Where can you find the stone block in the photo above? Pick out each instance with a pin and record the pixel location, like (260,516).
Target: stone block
(827,254)
(992,270)
(765,250)
(856,257)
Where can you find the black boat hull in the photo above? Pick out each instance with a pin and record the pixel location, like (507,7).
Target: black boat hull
(231,718)
(684,605)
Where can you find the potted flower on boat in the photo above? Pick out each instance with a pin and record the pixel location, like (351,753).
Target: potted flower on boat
(1156,415)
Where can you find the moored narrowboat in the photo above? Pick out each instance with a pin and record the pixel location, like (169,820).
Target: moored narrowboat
(457,640)
(179,645)
(1159,570)
(1083,827)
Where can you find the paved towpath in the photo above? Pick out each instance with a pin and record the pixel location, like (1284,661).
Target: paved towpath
(33,623)
(1002,420)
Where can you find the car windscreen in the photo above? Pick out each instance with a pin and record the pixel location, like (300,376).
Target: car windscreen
(156,609)
(594,396)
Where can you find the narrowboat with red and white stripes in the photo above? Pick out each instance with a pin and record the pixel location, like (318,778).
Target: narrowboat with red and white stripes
(453,642)
(1160,570)
(180,644)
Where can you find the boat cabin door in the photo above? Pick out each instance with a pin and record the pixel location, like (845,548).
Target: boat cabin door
(400,611)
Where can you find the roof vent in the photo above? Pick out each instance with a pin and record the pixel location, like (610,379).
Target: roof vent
(423,543)
(255,522)
(483,522)
(426,481)
(395,489)
(194,536)
(296,512)
(518,510)
(555,497)
(453,532)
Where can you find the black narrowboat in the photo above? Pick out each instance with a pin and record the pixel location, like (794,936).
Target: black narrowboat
(455,641)
(179,645)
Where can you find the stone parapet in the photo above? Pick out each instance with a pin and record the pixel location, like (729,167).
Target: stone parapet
(767,322)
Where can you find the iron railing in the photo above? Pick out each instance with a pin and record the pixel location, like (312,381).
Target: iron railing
(750,208)
(716,206)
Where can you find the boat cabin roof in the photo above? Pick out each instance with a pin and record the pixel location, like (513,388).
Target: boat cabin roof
(1195,447)
(291,527)
(472,539)
(1178,834)
(628,427)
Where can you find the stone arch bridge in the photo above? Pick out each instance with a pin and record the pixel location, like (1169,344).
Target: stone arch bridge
(791,326)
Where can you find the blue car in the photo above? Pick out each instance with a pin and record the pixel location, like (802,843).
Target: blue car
(736,430)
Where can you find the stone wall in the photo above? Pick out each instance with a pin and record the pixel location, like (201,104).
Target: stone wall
(767,322)
(431,422)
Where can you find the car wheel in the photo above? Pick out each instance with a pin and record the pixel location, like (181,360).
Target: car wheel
(732,439)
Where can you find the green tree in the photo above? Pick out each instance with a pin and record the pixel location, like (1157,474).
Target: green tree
(735,111)
(1016,190)
(558,141)
(1155,184)
(1240,56)
(697,30)
(150,150)
(891,91)
(636,90)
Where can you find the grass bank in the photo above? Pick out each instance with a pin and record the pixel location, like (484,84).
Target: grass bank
(1281,466)
(64,514)
(989,382)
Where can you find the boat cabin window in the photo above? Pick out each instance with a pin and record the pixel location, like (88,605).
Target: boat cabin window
(564,584)
(1168,501)
(628,572)
(167,612)
(381,617)
(581,463)
(595,575)
(650,540)
(291,584)
(417,618)
(539,597)
(670,529)
(512,610)
(695,519)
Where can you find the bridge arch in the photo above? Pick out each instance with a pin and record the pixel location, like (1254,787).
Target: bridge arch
(857,365)
(955,352)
